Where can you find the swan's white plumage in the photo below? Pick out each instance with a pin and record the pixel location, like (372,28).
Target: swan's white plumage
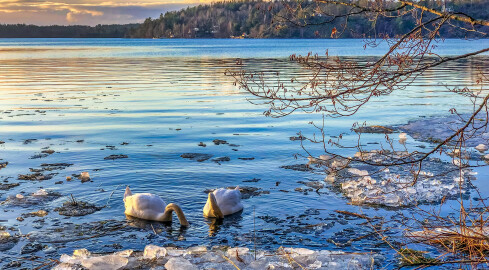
(144,205)
(228,200)
(151,207)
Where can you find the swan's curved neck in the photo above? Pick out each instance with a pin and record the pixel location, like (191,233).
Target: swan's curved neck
(167,216)
(214,208)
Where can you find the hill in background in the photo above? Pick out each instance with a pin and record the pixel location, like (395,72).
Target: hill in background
(255,19)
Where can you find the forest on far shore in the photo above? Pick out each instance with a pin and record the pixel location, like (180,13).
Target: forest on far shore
(65,31)
(251,19)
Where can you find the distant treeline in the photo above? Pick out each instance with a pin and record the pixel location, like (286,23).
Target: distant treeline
(253,19)
(60,31)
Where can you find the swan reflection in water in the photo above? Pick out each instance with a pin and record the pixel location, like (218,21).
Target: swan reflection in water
(155,226)
(216,224)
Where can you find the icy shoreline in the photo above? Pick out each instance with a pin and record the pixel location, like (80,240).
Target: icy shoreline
(219,258)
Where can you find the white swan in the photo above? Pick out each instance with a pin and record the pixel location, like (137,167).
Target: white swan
(222,202)
(151,207)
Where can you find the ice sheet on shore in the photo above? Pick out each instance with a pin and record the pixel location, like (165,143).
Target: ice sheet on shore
(219,258)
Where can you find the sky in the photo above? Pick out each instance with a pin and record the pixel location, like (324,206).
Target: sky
(85,12)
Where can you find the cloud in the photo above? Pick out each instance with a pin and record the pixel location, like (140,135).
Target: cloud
(89,12)
(75,15)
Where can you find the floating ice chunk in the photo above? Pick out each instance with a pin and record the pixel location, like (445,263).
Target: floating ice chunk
(179,263)
(154,252)
(108,262)
(481,148)
(196,250)
(391,199)
(456,162)
(81,253)
(125,253)
(410,190)
(330,178)
(41,192)
(175,252)
(65,266)
(436,182)
(312,159)
(241,254)
(213,257)
(458,179)
(4,235)
(303,256)
(85,176)
(357,172)
(425,173)
(237,250)
(325,157)
(315,265)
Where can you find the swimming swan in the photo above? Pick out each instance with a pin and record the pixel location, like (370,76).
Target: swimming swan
(151,207)
(222,202)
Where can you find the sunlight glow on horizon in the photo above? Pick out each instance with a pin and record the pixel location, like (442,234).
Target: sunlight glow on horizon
(86,12)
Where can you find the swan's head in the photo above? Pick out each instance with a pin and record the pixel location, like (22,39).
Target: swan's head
(170,208)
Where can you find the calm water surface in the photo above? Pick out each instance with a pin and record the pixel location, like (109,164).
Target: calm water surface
(163,97)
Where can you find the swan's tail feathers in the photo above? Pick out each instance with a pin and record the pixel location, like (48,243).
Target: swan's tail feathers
(127,193)
(215,210)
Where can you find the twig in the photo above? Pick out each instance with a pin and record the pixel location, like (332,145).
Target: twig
(290,259)
(352,214)
(231,262)
(254,232)
(110,196)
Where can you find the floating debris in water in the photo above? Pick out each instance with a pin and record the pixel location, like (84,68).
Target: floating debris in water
(221,159)
(36,176)
(35,198)
(7,241)
(40,213)
(254,180)
(73,207)
(246,158)
(85,177)
(8,186)
(297,167)
(218,142)
(3,165)
(196,156)
(112,157)
(374,129)
(297,138)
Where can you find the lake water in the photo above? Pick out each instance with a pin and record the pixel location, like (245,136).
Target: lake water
(163,97)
